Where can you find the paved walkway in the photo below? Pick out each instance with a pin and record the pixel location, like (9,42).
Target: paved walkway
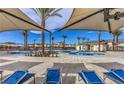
(69,64)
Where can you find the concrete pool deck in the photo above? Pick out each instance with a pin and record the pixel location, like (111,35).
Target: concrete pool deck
(70,65)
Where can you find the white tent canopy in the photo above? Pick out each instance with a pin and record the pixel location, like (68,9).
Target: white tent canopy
(14,19)
(93,19)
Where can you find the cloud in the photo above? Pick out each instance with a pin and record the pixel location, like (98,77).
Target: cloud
(90,32)
(36,32)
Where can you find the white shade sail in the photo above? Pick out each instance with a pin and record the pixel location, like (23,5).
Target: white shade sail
(93,19)
(14,19)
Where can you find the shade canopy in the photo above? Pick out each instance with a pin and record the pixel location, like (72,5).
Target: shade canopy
(15,19)
(93,19)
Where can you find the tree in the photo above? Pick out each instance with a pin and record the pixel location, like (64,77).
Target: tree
(87,39)
(99,39)
(52,38)
(116,35)
(34,43)
(78,38)
(44,14)
(83,39)
(25,34)
(113,42)
(64,40)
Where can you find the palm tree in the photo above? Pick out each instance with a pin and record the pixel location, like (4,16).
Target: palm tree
(78,38)
(83,39)
(87,39)
(99,37)
(116,35)
(44,14)
(64,40)
(113,42)
(25,34)
(34,43)
(52,38)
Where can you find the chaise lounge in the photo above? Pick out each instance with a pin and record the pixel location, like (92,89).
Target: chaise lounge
(18,77)
(116,75)
(90,77)
(53,76)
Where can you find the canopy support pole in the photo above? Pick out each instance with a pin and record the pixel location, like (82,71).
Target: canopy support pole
(106,18)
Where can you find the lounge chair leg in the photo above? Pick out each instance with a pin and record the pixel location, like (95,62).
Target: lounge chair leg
(79,78)
(34,78)
(104,77)
(1,76)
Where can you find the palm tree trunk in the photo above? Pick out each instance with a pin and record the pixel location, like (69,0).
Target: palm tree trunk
(99,35)
(113,42)
(64,44)
(78,42)
(24,43)
(82,42)
(43,36)
(25,40)
(52,46)
(43,42)
(51,43)
(34,43)
(117,42)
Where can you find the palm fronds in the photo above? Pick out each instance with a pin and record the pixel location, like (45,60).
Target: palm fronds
(48,12)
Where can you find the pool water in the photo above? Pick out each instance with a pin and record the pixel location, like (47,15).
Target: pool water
(84,53)
(20,52)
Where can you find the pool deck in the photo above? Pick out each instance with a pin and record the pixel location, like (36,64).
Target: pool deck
(69,64)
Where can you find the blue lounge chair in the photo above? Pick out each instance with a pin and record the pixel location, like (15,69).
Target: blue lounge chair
(18,77)
(116,75)
(27,77)
(53,76)
(90,77)
(119,72)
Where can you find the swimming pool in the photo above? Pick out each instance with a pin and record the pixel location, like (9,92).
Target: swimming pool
(84,53)
(19,52)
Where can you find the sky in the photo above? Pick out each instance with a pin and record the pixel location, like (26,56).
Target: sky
(17,36)
(51,24)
